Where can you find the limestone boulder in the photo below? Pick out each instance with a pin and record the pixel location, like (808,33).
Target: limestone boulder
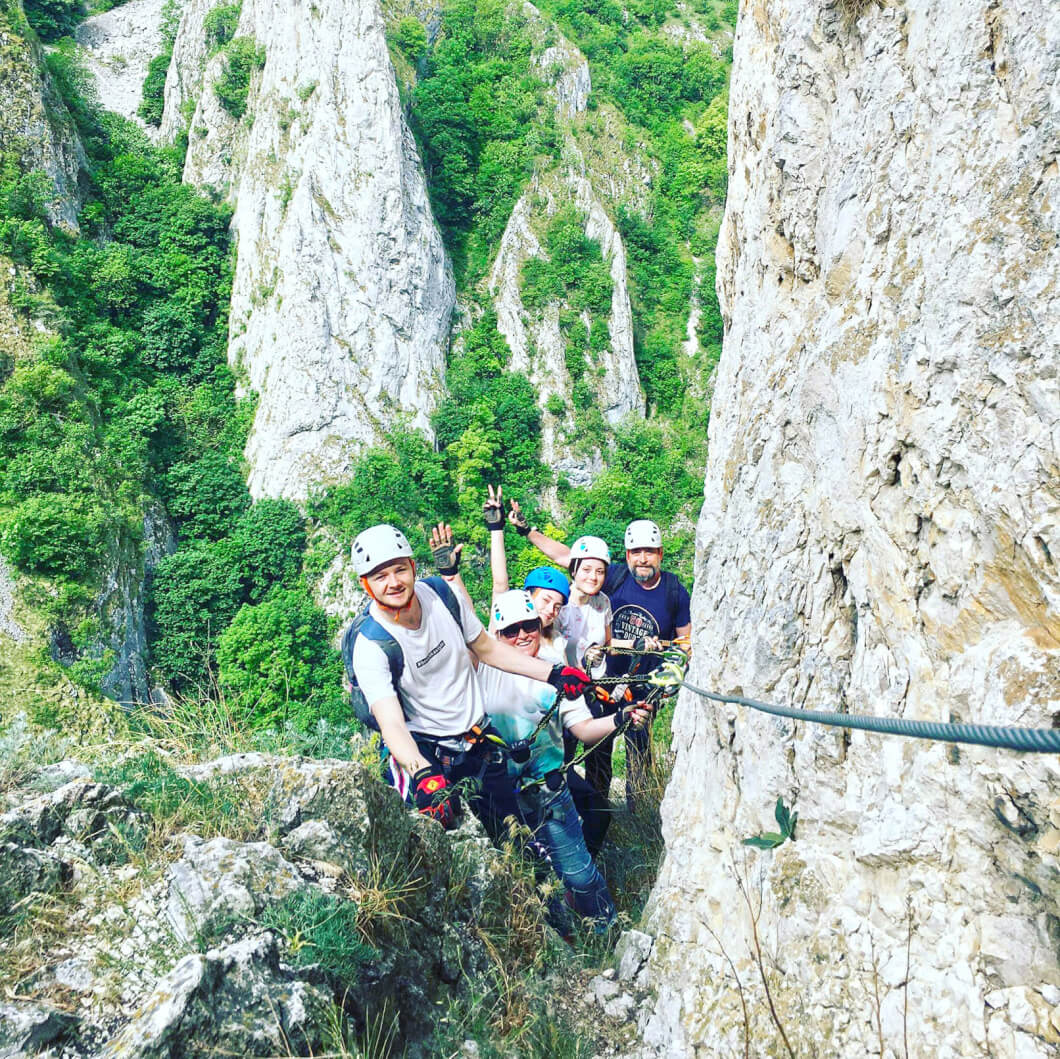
(239,999)
(219,886)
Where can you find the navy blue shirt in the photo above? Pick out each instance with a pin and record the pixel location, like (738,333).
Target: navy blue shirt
(639,611)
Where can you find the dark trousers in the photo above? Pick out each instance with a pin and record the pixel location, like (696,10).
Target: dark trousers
(593,810)
(599,768)
(481,779)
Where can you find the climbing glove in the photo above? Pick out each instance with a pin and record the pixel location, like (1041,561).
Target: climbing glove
(427,788)
(518,520)
(572,682)
(446,559)
(493,515)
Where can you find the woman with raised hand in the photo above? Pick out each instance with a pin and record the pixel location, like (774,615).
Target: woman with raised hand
(548,587)
(585,619)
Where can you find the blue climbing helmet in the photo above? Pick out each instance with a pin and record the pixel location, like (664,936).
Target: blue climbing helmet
(548,577)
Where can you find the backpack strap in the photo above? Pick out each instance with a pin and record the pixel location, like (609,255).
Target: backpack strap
(442,590)
(370,629)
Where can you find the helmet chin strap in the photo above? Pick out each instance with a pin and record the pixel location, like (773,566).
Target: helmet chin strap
(386,606)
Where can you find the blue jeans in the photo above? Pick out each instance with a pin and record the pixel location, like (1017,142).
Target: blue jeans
(556,823)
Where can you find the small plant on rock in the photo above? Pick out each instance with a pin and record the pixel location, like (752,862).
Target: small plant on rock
(786,821)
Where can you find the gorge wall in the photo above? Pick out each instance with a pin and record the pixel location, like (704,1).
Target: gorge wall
(880,534)
(342,294)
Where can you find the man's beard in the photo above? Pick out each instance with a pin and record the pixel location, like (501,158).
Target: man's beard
(644,578)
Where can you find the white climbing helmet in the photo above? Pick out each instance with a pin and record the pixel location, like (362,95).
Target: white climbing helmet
(378,545)
(590,548)
(642,533)
(510,607)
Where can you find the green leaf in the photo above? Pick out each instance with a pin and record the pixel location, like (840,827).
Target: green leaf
(769,840)
(782,816)
(791,829)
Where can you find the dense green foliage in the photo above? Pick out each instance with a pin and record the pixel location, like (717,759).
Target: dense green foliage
(52,19)
(477,112)
(243,57)
(276,656)
(220,25)
(152,98)
(130,401)
(92,417)
(410,37)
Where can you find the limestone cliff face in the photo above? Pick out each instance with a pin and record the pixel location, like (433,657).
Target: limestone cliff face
(342,294)
(537,343)
(880,534)
(35,126)
(118,46)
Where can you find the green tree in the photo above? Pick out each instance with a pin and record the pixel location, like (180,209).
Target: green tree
(243,57)
(269,542)
(57,535)
(53,19)
(411,37)
(277,658)
(193,596)
(220,25)
(206,494)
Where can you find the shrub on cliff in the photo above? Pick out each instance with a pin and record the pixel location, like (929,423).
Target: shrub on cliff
(268,544)
(242,57)
(194,595)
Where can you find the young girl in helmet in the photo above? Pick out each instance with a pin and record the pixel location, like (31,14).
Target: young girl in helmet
(517,707)
(548,588)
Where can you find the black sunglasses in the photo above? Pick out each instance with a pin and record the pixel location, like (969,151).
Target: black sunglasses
(509,632)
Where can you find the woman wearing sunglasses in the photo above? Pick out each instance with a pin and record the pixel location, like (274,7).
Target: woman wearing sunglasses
(526,714)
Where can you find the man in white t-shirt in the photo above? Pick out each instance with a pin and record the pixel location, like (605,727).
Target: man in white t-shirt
(432,720)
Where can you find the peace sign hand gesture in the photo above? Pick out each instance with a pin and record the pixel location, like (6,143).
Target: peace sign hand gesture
(493,509)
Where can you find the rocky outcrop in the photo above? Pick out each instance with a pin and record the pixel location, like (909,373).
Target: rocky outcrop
(536,340)
(42,839)
(9,625)
(239,999)
(118,46)
(120,605)
(221,945)
(880,534)
(35,126)
(219,882)
(342,294)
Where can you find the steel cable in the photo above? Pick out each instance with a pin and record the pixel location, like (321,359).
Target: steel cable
(1024,740)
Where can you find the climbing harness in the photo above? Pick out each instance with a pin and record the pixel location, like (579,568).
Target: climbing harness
(1023,740)
(520,750)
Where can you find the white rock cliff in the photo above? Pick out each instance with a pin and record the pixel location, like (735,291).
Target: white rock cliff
(880,534)
(342,294)
(118,46)
(535,339)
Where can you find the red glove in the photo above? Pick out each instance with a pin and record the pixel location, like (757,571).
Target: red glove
(427,786)
(572,682)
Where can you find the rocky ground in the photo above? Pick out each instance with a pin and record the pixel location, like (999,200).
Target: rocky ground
(269,905)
